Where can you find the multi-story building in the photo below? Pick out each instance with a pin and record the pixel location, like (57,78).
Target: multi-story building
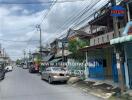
(124,44)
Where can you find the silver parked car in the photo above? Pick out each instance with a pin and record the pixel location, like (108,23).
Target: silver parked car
(55,74)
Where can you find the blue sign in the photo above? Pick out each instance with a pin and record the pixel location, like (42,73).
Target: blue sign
(117,11)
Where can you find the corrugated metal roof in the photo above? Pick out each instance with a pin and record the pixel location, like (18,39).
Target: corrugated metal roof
(47,58)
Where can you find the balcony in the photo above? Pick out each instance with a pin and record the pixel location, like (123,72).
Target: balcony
(105,38)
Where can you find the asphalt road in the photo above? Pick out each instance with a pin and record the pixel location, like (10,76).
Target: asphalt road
(21,85)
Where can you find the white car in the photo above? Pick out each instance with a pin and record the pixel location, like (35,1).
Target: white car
(25,66)
(8,68)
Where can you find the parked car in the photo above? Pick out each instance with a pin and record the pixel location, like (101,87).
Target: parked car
(33,68)
(55,74)
(18,65)
(24,66)
(8,68)
(2,73)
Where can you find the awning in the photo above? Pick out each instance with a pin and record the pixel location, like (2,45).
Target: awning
(56,60)
(95,47)
(66,53)
(121,39)
(47,58)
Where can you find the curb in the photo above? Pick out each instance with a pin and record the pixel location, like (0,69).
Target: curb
(92,92)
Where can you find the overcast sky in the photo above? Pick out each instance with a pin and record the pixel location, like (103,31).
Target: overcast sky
(18,21)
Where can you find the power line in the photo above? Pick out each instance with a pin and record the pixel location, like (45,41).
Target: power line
(86,18)
(16,41)
(54,2)
(43,18)
(45,15)
(39,2)
(79,15)
(74,18)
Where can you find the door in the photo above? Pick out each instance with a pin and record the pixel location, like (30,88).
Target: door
(114,68)
(129,62)
(96,69)
(45,74)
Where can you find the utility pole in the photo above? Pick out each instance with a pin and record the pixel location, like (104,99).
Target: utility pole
(29,55)
(118,50)
(40,41)
(63,51)
(24,53)
(128,12)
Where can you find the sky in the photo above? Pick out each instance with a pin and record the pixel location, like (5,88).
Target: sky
(18,23)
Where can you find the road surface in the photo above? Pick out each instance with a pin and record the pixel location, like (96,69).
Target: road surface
(21,85)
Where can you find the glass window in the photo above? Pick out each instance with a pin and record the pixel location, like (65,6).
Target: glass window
(58,69)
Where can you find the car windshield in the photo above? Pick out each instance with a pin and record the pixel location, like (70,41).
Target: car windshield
(58,69)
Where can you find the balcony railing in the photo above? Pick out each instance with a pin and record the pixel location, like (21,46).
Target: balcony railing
(105,38)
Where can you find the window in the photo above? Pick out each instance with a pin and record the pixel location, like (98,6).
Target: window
(48,69)
(58,69)
(103,39)
(94,41)
(107,37)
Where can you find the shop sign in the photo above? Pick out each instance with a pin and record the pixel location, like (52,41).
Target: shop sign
(117,11)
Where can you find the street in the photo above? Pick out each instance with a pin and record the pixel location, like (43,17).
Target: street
(21,85)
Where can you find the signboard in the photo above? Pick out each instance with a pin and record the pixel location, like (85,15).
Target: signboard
(117,11)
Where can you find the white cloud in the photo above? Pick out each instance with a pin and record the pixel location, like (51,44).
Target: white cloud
(16,8)
(4,12)
(20,27)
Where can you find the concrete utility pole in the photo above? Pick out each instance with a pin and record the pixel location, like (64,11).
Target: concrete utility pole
(29,54)
(40,41)
(118,49)
(128,12)
(24,54)
(63,59)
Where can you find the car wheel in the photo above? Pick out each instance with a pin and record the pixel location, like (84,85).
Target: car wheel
(29,71)
(49,80)
(41,77)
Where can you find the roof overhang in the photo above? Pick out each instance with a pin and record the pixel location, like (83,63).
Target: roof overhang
(56,60)
(121,40)
(95,47)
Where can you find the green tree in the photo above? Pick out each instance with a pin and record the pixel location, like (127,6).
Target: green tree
(74,46)
(18,61)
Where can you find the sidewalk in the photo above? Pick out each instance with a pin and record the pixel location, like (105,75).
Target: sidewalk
(104,89)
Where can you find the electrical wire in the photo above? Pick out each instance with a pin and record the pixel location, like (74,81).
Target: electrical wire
(39,2)
(53,4)
(88,17)
(73,17)
(78,15)
(45,15)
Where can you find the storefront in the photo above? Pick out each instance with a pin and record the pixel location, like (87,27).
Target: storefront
(126,44)
(128,58)
(101,62)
